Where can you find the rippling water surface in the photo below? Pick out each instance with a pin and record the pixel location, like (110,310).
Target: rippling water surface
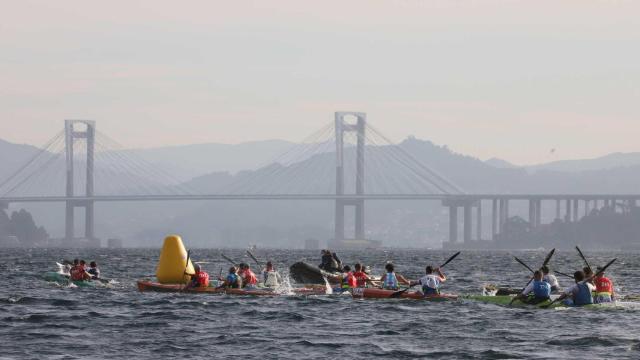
(43,320)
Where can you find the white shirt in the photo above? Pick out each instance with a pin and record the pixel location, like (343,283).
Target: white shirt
(431,280)
(552,280)
(573,289)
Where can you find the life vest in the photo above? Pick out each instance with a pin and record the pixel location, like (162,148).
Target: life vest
(541,289)
(77,273)
(232,281)
(390,281)
(361,278)
(603,286)
(584,295)
(201,279)
(271,279)
(349,281)
(249,277)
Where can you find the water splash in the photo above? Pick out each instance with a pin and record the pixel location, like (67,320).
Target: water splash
(285,288)
(328,288)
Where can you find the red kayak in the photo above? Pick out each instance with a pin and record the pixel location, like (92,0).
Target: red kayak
(154,286)
(371,293)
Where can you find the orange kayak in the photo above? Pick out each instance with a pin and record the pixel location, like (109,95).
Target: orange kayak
(154,286)
(371,293)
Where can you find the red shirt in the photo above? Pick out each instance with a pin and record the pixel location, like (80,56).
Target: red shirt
(249,278)
(361,278)
(603,285)
(201,279)
(350,280)
(77,273)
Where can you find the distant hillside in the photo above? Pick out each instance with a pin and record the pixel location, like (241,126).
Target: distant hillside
(610,161)
(500,164)
(12,156)
(189,161)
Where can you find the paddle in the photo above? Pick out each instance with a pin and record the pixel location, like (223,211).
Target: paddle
(523,264)
(185,269)
(400,292)
(585,259)
(234,263)
(583,281)
(563,274)
(546,261)
(254,258)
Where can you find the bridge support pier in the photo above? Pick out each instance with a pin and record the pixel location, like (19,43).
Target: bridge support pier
(70,135)
(479,221)
(467,223)
(494,218)
(453,224)
(341,126)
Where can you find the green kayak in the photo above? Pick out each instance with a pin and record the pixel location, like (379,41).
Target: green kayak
(504,300)
(63,279)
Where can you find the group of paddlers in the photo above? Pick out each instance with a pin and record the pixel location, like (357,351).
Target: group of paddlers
(80,272)
(588,288)
(238,277)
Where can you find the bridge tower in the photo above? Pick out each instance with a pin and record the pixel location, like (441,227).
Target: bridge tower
(71,134)
(341,127)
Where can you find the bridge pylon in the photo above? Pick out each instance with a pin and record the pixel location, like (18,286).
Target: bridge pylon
(71,134)
(341,127)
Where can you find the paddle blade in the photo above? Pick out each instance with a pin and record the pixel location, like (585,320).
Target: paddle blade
(523,264)
(584,258)
(548,258)
(451,258)
(605,267)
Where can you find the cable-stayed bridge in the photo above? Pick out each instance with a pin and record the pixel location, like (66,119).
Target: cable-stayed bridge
(347,161)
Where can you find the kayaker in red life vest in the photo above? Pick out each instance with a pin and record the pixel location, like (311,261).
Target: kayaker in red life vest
(249,279)
(347,280)
(361,277)
(604,289)
(199,279)
(79,272)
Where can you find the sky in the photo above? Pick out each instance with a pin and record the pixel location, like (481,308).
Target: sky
(507,79)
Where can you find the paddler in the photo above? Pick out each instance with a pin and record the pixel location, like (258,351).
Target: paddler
(79,272)
(249,279)
(431,281)
(270,277)
(232,281)
(539,287)
(550,278)
(604,288)
(580,293)
(199,279)
(330,261)
(362,279)
(347,280)
(391,280)
(94,271)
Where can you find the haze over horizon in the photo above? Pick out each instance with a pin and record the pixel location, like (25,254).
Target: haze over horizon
(511,80)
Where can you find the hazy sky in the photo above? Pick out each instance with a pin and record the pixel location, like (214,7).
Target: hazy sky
(511,79)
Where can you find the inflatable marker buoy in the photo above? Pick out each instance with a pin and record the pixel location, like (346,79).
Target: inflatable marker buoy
(171,266)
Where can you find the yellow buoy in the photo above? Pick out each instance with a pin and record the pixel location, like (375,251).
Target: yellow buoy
(173,258)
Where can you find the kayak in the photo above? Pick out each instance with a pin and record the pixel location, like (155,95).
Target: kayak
(174,288)
(372,293)
(304,273)
(504,300)
(63,279)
